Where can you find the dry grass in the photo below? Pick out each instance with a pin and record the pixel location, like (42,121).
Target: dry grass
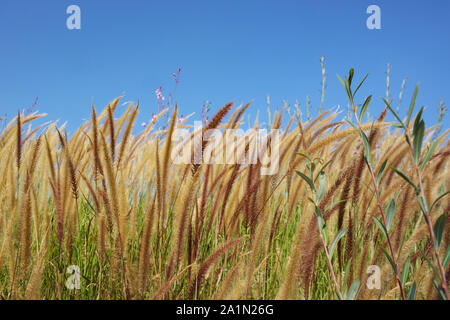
(140,226)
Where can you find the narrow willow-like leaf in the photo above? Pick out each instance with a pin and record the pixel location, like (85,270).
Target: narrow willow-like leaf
(359,86)
(439,231)
(418,139)
(438,198)
(308,180)
(333,204)
(352,124)
(436,273)
(405,272)
(364,108)
(418,119)
(400,122)
(381,226)
(439,290)
(413,103)
(304,155)
(401,174)
(350,76)
(322,185)
(367,153)
(338,236)
(390,212)
(380,173)
(412,292)
(342,81)
(429,154)
(322,169)
(391,261)
(446,257)
(351,294)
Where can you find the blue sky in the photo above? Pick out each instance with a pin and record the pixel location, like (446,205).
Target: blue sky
(227,50)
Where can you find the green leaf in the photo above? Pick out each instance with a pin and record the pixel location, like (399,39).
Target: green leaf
(360,84)
(367,153)
(364,108)
(391,261)
(422,206)
(446,257)
(343,84)
(429,154)
(436,273)
(322,185)
(333,204)
(308,180)
(381,226)
(390,214)
(439,198)
(304,155)
(407,139)
(352,124)
(413,103)
(418,118)
(350,76)
(439,290)
(380,173)
(347,86)
(322,169)
(439,231)
(312,168)
(412,292)
(338,236)
(319,213)
(351,294)
(321,223)
(418,138)
(401,174)
(395,114)
(405,271)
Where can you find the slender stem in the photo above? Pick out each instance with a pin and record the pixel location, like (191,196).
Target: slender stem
(429,223)
(391,249)
(383,215)
(330,267)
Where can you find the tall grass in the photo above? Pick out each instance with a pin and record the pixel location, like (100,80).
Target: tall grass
(141,227)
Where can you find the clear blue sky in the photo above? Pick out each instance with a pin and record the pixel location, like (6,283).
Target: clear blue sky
(228,51)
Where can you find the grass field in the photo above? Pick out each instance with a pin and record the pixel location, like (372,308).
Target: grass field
(348,194)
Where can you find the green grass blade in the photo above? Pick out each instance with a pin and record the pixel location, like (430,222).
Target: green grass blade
(412,292)
(439,231)
(351,294)
(336,239)
(401,174)
(429,154)
(439,198)
(308,180)
(446,257)
(380,226)
(413,103)
(390,212)
(364,108)
(391,261)
(405,272)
